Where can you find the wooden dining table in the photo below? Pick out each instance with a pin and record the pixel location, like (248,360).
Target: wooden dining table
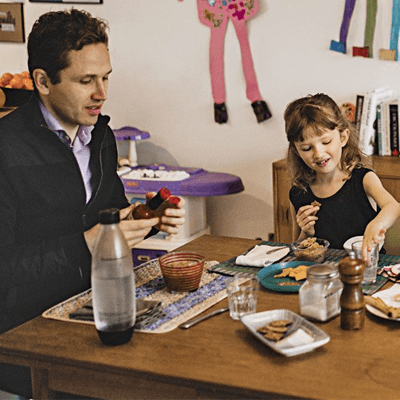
(217,358)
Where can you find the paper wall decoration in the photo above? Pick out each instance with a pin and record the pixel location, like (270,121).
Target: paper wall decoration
(390,54)
(341,45)
(366,51)
(215,14)
(393,53)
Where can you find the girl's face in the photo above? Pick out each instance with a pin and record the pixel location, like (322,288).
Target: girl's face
(322,153)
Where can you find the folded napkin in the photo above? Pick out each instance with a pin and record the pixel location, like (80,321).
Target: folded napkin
(258,257)
(298,338)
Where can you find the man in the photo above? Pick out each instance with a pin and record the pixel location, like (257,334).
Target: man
(58,163)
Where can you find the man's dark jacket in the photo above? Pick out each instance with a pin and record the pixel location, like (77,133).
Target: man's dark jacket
(43,212)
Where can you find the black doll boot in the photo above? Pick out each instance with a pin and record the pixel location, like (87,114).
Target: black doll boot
(261,110)
(220,113)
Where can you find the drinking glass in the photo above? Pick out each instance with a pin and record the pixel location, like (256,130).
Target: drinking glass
(371,266)
(242,298)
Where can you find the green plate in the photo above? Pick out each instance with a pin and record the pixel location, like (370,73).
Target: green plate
(266,276)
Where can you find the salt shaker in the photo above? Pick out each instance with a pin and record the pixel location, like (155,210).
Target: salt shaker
(352,299)
(320,294)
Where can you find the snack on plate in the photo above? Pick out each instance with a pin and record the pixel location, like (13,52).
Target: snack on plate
(299,273)
(310,249)
(285,272)
(275,330)
(393,271)
(288,283)
(377,302)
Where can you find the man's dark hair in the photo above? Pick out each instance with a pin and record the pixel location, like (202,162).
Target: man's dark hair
(56,33)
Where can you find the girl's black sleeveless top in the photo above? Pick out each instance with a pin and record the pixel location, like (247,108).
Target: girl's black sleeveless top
(343,215)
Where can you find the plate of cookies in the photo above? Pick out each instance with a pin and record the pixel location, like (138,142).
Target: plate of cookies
(285,332)
(285,277)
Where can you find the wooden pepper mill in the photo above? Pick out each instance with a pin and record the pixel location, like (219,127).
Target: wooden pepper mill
(351,272)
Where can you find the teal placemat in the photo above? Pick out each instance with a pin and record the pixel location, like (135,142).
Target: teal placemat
(333,256)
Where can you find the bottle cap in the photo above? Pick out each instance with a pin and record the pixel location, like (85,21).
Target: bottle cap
(174,200)
(109,216)
(164,193)
(322,271)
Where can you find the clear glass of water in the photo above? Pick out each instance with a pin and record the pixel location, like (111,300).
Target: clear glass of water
(242,297)
(371,266)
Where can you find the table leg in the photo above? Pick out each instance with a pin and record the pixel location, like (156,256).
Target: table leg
(40,384)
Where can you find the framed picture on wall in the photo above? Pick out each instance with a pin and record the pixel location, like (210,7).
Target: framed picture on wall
(68,1)
(12,22)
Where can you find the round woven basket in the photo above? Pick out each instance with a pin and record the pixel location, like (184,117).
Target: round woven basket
(182,272)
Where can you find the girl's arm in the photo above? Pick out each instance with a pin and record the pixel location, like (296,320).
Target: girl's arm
(388,215)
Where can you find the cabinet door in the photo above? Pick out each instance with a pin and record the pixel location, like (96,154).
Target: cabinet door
(388,170)
(282,217)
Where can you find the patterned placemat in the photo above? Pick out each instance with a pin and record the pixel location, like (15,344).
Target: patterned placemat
(333,256)
(176,308)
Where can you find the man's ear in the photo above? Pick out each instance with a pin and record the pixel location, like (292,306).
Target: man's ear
(42,81)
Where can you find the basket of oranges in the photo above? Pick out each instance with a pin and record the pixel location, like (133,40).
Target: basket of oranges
(17,88)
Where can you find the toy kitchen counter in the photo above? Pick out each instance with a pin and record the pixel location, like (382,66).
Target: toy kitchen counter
(192,184)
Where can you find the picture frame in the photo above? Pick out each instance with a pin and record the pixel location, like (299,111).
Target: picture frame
(69,1)
(12,22)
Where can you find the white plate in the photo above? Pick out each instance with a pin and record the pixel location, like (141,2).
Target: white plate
(349,242)
(310,335)
(388,297)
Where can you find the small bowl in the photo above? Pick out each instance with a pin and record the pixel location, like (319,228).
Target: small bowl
(182,272)
(315,252)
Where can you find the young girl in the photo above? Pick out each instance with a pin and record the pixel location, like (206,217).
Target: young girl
(326,166)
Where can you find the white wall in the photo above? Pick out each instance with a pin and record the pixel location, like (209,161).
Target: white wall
(160,83)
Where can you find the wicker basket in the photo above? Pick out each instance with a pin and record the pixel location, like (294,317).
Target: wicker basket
(182,271)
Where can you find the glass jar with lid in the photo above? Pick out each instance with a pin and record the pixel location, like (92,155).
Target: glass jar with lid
(319,296)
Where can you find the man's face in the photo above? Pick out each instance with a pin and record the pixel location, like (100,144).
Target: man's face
(78,97)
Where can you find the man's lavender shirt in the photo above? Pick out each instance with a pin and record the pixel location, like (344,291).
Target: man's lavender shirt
(79,148)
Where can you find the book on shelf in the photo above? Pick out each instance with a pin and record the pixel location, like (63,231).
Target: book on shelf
(381,144)
(367,139)
(394,127)
(387,129)
(358,113)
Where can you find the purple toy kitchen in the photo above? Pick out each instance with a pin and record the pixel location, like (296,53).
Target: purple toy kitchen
(194,184)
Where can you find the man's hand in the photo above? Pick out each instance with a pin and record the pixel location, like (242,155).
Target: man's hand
(134,230)
(173,218)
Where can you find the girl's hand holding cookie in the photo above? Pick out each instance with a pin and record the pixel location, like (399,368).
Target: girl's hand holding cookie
(306,219)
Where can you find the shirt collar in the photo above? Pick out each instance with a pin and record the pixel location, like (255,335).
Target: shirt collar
(84,132)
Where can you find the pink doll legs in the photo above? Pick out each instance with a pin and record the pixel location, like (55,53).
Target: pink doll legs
(215,14)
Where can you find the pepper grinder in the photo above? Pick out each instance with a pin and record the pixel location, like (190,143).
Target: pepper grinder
(351,272)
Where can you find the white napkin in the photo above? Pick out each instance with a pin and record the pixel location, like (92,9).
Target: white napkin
(298,338)
(388,295)
(258,257)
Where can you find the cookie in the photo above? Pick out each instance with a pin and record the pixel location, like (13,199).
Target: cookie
(274,336)
(281,322)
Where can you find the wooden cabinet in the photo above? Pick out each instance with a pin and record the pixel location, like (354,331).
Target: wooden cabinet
(387,168)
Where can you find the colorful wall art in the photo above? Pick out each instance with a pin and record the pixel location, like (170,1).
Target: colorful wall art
(215,14)
(391,53)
